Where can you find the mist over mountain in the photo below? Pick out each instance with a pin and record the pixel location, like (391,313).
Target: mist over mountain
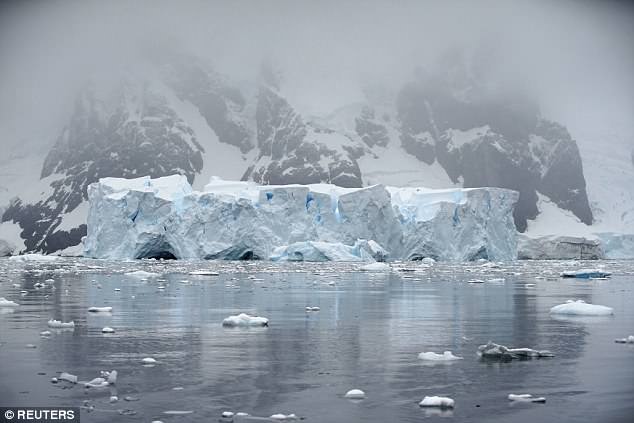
(351,93)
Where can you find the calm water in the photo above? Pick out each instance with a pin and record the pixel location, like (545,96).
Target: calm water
(367,335)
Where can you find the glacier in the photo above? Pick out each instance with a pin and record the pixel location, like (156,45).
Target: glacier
(165,218)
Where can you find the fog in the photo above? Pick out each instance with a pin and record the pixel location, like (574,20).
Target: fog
(576,57)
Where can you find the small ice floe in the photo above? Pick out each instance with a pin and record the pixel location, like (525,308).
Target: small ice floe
(529,285)
(496,280)
(160,287)
(227,414)
(312,309)
(148,360)
(432,356)
(54,380)
(111,376)
(68,377)
(57,324)
(375,267)
(356,394)
(204,273)
(31,346)
(241,414)
(281,416)
(100,309)
(526,398)
(244,319)
(45,333)
(628,340)
(38,285)
(585,274)
(581,308)
(107,329)
(7,303)
(142,274)
(97,382)
(499,352)
(117,289)
(113,399)
(441,402)
(178,412)
(476,281)
(49,280)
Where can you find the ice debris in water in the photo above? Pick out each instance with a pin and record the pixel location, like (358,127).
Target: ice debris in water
(628,340)
(111,377)
(142,274)
(496,351)
(355,394)
(107,329)
(227,414)
(442,402)
(526,398)
(581,308)
(100,309)
(312,309)
(97,382)
(33,257)
(68,377)
(45,333)
(585,274)
(7,303)
(57,324)
(432,356)
(244,319)
(281,416)
(204,273)
(148,360)
(375,267)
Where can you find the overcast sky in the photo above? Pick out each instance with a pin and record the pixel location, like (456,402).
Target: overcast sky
(576,56)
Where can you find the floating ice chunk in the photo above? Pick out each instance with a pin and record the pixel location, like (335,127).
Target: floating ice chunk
(432,356)
(113,399)
(178,412)
(148,360)
(57,324)
(241,414)
(496,280)
(526,398)
(107,329)
(581,308)
(45,333)
(376,267)
(100,309)
(33,257)
(142,274)
(476,281)
(227,414)
(442,402)
(312,309)
(355,394)
(495,351)
(97,382)
(68,377)
(204,273)
(628,340)
(585,274)
(281,416)
(244,319)
(110,376)
(7,303)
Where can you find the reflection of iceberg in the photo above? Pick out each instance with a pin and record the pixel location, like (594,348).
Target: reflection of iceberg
(165,218)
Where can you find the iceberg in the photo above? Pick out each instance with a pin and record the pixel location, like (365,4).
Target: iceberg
(526,398)
(234,220)
(581,308)
(559,248)
(585,274)
(244,319)
(494,351)
(442,402)
(57,324)
(355,394)
(432,356)
(628,340)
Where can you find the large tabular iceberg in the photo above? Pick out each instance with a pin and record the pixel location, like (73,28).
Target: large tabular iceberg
(164,217)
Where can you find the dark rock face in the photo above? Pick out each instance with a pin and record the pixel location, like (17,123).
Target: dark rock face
(484,138)
(138,134)
(221,104)
(370,130)
(295,152)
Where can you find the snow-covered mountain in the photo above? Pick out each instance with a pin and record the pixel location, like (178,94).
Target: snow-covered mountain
(178,115)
